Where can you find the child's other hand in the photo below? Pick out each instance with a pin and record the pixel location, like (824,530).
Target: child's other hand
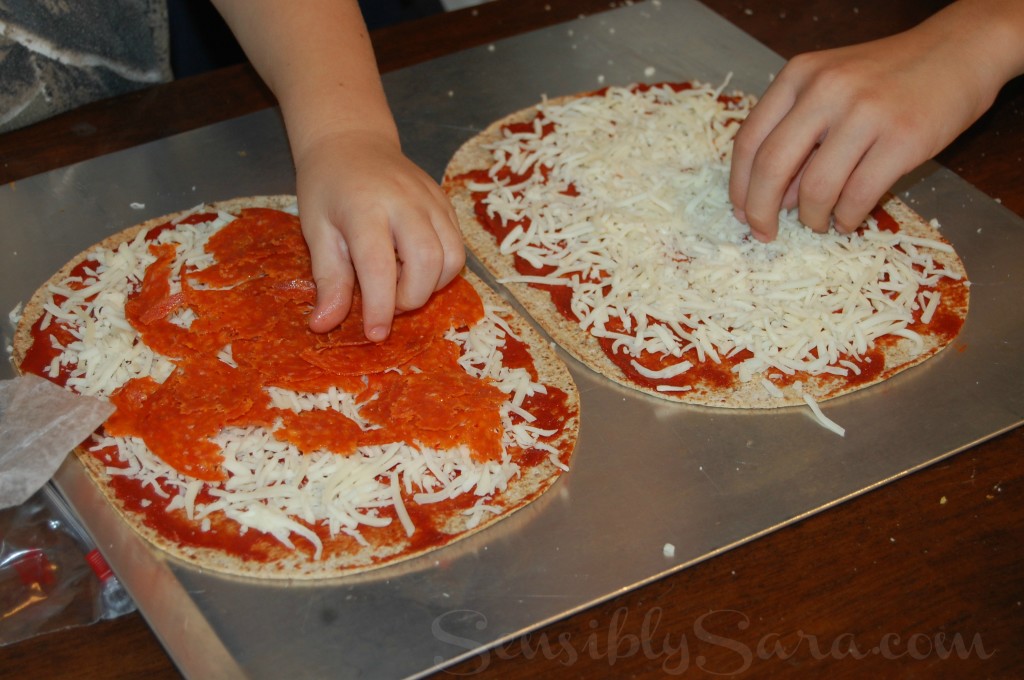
(371,216)
(837,128)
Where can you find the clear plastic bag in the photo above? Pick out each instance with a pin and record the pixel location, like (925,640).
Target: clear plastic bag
(51,574)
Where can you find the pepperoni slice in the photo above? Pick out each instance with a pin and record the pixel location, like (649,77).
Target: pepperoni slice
(261,242)
(130,403)
(319,430)
(367,359)
(177,418)
(440,410)
(149,308)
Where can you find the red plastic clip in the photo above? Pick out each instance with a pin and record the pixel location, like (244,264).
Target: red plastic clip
(99,565)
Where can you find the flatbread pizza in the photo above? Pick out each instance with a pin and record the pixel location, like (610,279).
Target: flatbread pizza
(606,215)
(245,444)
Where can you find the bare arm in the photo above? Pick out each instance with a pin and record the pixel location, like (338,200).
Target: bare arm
(837,128)
(369,215)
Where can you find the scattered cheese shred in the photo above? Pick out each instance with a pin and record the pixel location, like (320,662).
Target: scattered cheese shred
(821,417)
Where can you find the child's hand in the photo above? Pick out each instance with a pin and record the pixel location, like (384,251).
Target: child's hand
(370,215)
(837,128)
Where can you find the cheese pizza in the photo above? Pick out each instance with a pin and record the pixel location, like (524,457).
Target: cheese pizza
(244,443)
(607,215)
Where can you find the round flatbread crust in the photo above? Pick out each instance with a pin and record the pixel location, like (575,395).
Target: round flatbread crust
(522,490)
(474,155)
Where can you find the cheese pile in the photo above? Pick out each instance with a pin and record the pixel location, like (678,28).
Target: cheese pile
(632,213)
(271,484)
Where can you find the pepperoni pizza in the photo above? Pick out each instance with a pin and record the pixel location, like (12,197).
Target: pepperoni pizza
(244,443)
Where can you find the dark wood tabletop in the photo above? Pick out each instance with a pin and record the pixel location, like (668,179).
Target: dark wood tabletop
(923,577)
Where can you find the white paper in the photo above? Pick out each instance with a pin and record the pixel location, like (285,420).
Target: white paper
(40,423)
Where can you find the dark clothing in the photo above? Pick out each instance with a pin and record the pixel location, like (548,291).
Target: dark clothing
(56,55)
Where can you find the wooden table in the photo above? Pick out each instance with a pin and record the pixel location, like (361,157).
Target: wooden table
(881,586)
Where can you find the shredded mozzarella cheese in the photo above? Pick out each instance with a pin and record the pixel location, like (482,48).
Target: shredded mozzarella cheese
(632,213)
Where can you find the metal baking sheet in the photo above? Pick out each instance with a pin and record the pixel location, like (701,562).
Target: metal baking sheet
(646,473)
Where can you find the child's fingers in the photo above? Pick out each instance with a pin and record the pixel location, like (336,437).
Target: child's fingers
(451,241)
(777,163)
(771,109)
(332,273)
(445,225)
(373,256)
(431,255)
(828,172)
(876,173)
(420,271)
(752,133)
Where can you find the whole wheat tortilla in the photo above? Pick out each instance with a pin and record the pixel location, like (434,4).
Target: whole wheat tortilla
(899,355)
(524,488)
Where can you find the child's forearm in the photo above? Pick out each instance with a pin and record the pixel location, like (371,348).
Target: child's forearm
(372,219)
(990,33)
(316,57)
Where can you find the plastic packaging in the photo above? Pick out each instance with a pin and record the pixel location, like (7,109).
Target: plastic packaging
(52,576)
